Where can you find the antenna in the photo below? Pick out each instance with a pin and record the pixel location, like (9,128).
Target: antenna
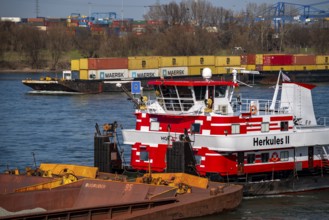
(37,8)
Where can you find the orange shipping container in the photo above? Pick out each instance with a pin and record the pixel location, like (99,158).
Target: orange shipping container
(249,59)
(304,60)
(107,63)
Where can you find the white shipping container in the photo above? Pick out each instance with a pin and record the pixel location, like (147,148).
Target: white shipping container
(174,71)
(146,73)
(108,74)
(12,19)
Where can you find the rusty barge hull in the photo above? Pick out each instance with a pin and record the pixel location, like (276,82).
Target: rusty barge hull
(101,199)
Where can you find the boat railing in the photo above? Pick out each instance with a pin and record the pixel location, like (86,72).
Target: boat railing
(323,121)
(261,106)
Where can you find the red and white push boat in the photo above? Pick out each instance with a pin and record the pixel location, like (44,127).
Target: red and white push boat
(270,146)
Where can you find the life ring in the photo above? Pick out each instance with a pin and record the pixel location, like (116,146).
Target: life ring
(275,157)
(253,109)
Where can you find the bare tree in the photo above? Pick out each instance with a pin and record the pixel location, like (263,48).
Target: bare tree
(33,42)
(58,43)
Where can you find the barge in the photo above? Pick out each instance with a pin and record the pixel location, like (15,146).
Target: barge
(64,194)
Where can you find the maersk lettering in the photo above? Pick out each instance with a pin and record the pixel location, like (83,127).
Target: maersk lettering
(175,72)
(114,75)
(147,74)
(270,141)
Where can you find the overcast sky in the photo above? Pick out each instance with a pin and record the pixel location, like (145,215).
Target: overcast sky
(128,8)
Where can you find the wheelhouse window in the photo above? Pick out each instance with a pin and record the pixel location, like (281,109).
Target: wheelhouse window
(284,126)
(235,128)
(200,92)
(220,91)
(284,155)
(251,158)
(265,127)
(265,157)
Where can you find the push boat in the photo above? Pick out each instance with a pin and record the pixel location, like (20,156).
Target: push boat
(65,191)
(269,146)
(68,84)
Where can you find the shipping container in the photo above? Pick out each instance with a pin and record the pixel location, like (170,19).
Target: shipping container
(173,71)
(228,61)
(322,59)
(173,61)
(277,68)
(197,70)
(249,59)
(75,65)
(259,59)
(201,61)
(83,74)
(322,67)
(108,74)
(84,64)
(222,70)
(249,67)
(277,60)
(107,63)
(143,62)
(300,59)
(305,67)
(147,73)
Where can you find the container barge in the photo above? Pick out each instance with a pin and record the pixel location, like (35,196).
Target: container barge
(96,75)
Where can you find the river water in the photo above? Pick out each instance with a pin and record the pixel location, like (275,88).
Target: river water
(36,128)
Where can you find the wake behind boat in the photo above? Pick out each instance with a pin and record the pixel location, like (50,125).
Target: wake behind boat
(270,146)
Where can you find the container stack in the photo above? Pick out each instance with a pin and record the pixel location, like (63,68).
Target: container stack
(197,63)
(173,66)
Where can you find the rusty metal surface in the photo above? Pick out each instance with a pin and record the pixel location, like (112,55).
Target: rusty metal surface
(8,183)
(100,199)
(82,194)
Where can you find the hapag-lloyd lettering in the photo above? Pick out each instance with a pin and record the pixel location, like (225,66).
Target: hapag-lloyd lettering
(271,141)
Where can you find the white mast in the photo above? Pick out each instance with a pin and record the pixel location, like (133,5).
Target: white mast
(275,95)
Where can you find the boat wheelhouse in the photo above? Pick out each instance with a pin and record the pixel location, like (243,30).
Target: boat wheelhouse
(233,139)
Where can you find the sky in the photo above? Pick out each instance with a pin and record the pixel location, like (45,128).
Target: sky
(123,8)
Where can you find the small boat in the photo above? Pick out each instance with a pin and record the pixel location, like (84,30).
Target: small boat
(269,146)
(72,191)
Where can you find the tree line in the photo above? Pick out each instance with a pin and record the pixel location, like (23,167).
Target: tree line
(186,28)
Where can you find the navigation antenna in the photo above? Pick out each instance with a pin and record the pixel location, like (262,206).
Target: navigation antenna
(235,74)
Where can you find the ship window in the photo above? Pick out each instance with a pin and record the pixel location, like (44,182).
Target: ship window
(195,128)
(143,63)
(155,126)
(201,60)
(173,61)
(265,157)
(251,158)
(184,92)
(284,155)
(169,92)
(198,159)
(220,91)
(200,92)
(265,127)
(235,128)
(284,126)
(228,60)
(144,155)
